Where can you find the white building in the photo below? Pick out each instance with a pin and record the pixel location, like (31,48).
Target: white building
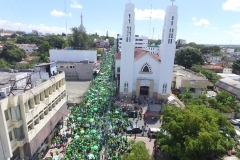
(72,55)
(142,73)
(140,42)
(213,59)
(6,32)
(180,42)
(229,50)
(30,112)
(29,48)
(153,49)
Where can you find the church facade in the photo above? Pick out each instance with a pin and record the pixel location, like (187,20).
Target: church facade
(140,72)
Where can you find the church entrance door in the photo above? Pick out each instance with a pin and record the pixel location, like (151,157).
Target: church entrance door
(144,90)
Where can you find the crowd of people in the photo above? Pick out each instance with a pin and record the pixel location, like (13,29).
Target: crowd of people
(97,122)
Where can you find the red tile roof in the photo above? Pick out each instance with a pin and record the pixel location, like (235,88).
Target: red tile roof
(137,54)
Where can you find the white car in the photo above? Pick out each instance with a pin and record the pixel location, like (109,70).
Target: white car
(235,121)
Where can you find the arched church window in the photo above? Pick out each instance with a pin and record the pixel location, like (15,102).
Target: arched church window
(118,69)
(164,88)
(146,68)
(126,87)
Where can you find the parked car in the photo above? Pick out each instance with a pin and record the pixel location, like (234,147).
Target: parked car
(132,113)
(153,131)
(133,129)
(235,121)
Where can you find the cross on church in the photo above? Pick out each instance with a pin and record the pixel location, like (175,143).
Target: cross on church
(172,1)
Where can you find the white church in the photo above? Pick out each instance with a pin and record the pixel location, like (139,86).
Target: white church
(140,72)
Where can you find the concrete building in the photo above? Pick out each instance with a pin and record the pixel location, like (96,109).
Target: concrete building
(72,55)
(180,42)
(140,42)
(76,71)
(229,85)
(213,59)
(142,73)
(229,50)
(153,49)
(31,105)
(214,68)
(184,78)
(4,32)
(29,48)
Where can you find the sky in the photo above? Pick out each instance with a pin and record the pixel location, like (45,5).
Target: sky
(202,21)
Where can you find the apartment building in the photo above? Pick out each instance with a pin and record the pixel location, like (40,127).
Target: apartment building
(140,42)
(28,48)
(31,105)
(184,78)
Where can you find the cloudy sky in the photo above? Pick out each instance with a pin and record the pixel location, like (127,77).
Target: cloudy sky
(202,21)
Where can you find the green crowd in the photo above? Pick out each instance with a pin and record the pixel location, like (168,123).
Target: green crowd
(97,124)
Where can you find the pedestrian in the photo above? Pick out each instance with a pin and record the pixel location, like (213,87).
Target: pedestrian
(51,153)
(63,146)
(145,124)
(135,136)
(150,137)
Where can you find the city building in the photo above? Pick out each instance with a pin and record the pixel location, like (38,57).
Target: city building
(229,85)
(180,42)
(69,55)
(100,43)
(214,68)
(31,105)
(213,59)
(140,42)
(153,49)
(6,32)
(184,78)
(142,73)
(81,27)
(29,48)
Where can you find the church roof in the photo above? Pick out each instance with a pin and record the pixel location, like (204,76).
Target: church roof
(137,54)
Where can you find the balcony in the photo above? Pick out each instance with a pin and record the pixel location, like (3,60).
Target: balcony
(21,142)
(17,124)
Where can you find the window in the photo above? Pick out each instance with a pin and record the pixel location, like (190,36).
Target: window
(16,113)
(125,87)
(192,82)
(6,115)
(10,136)
(170,36)
(164,88)
(118,69)
(192,89)
(146,68)
(18,133)
(61,66)
(172,18)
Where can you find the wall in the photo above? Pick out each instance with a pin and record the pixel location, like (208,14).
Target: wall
(72,55)
(182,82)
(154,64)
(84,71)
(53,68)
(117,64)
(21,82)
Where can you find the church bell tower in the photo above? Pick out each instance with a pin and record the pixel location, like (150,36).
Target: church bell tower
(167,51)
(127,51)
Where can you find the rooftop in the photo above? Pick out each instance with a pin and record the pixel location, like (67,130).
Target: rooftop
(213,67)
(137,54)
(188,74)
(229,85)
(229,75)
(44,64)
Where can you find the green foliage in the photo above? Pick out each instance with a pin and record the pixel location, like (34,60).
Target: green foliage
(44,48)
(238,154)
(138,152)
(55,41)
(99,51)
(12,53)
(188,57)
(79,39)
(236,66)
(4,64)
(3,38)
(157,42)
(210,49)
(195,133)
(22,40)
(210,75)
(41,155)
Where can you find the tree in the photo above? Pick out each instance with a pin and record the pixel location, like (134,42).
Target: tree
(55,41)
(4,64)
(22,40)
(138,152)
(44,48)
(99,51)
(12,53)
(196,132)
(236,66)
(79,39)
(227,100)
(14,35)
(188,57)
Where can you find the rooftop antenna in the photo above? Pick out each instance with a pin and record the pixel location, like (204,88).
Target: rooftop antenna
(153,33)
(150,21)
(65,18)
(173,1)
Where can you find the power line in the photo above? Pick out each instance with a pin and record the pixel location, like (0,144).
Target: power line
(12,9)
(21,12)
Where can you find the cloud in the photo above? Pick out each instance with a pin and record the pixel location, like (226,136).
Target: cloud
(231,5)
(75,4)
(29,27)
(202,22)
(236,26)
(196,34)
(56,13)
(146,14)
(194,18)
